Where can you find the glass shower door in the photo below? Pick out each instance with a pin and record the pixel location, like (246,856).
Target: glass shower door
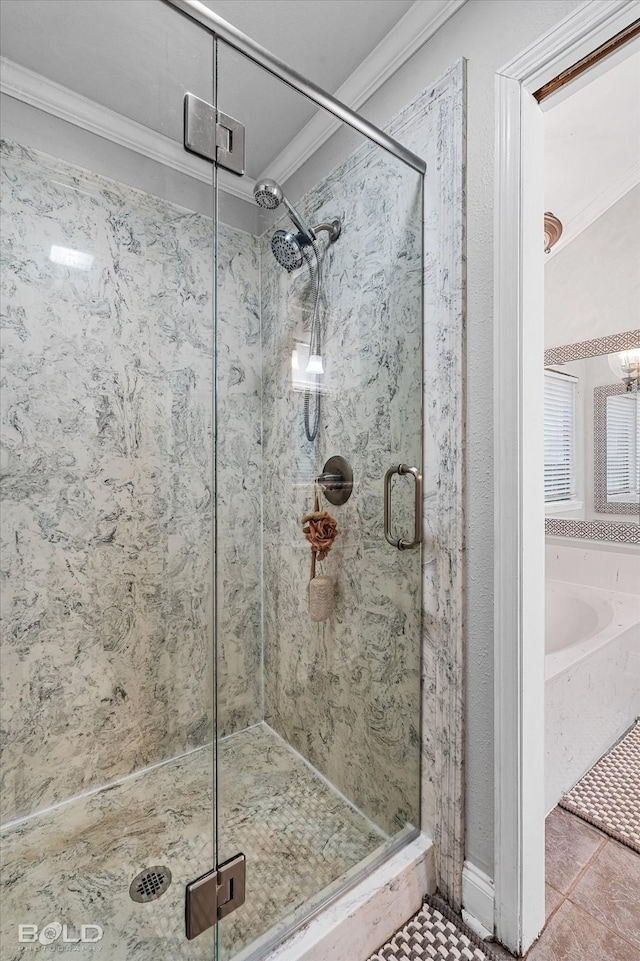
(319,403)
(107,514)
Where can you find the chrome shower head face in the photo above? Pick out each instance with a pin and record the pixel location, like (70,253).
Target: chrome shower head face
(287,249)
(268,194)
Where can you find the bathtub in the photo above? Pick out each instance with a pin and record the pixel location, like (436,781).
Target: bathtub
(592,659)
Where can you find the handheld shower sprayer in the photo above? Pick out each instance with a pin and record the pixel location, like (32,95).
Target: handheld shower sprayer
(292,251)
(269,194)
(287,247)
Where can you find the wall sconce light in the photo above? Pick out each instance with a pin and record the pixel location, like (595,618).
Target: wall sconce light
(626,366)
(552,231)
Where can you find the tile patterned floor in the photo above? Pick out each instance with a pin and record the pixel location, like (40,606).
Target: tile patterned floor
(75,863)
(297,833)
(592,896)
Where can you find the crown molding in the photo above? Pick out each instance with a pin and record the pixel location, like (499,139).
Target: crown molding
(410,33)
(598,206)
(584,30)
(413,30)
(44,94)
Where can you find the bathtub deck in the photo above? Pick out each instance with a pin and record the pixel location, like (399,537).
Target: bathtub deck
(592,693)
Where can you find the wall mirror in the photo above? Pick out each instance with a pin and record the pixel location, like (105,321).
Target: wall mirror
(592,439)
(616,431)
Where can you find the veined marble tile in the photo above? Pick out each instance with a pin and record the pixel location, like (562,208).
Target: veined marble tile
(239,482)
(347,693)
(434,126)
(107,490)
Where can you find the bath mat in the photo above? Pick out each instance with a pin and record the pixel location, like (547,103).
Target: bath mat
(434,934)
(608,796)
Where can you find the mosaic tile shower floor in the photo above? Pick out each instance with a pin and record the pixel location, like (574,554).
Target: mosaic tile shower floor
(74,865)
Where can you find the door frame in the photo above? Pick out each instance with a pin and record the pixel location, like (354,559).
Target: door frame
(519,810)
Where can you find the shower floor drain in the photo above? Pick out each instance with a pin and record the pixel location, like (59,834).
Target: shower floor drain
(150,883)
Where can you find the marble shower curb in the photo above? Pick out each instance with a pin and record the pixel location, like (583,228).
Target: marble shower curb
(361,919)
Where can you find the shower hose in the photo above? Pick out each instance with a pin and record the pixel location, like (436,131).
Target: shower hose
(311,424)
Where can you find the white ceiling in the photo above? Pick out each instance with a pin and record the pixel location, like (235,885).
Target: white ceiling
(323,39)
(138,57)
(592,143)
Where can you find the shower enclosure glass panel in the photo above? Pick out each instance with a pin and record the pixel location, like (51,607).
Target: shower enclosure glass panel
(318,686)
(171,393)
(107,513)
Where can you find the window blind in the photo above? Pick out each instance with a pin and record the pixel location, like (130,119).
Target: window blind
(623,445)
(559,436)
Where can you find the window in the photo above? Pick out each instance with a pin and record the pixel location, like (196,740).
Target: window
(623,445)
(559,436)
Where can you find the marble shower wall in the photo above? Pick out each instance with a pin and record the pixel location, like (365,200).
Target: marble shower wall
(106,461)
(433,126)
(239,481)
(346,694)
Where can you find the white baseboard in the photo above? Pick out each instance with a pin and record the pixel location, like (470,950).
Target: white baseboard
(475,925)
(478,899)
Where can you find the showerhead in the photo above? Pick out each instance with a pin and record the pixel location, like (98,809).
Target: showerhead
(268,194)
(287,249)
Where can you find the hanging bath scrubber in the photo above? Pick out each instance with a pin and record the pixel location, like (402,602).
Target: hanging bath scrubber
(321,598)
(321,531)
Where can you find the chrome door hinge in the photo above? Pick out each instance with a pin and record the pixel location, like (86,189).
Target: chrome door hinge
(219,139)
(214,895)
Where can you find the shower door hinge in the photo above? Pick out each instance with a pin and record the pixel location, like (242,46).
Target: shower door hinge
(217,138)
(215,895)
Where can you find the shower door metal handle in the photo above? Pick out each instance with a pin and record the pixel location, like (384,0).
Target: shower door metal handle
(400,542)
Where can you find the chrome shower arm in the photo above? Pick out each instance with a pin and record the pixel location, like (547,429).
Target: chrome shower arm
(332,227)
